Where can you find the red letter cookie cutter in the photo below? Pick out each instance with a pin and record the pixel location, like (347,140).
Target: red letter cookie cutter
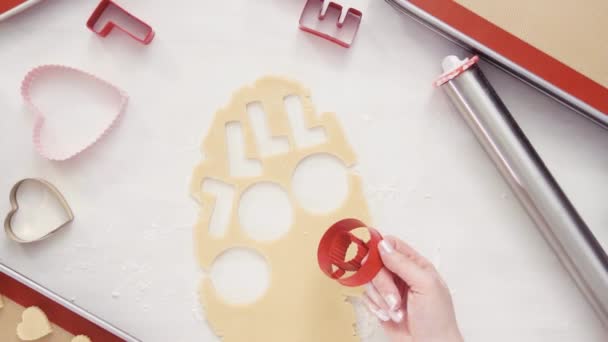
(364,266)
(343,32)
(106,5)
(39,117)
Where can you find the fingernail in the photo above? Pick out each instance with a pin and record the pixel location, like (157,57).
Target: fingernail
(372,293)
(391,300)
(397,316)
(386,247)
(381,315)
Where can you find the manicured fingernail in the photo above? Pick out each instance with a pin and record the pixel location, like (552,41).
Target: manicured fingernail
(397,316)
(381,315)
(386,247)
(372,293)
(391,301)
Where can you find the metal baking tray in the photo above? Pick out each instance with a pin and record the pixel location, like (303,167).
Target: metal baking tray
(500,61)
(8,8)
(14,284)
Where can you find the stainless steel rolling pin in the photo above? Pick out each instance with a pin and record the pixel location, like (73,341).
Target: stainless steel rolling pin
(563,228)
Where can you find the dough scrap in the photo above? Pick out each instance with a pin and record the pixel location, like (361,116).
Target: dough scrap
(81,338)
(301,304)
(34,324)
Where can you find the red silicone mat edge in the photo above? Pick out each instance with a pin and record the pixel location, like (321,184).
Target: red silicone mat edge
(518,51)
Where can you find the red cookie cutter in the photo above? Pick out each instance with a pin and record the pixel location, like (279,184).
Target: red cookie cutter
(109,5)
(332,253)
(341,31)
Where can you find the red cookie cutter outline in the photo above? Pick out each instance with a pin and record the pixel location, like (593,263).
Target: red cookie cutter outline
(110,25)
(332,251)
(352,17)
(451,74)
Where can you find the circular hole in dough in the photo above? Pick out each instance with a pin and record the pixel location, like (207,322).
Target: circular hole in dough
(265,212)
(240,275)
(320,183)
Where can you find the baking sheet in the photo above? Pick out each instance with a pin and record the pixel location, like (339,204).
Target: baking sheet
(574,32)
(67,319)
(9,8)
(513,54)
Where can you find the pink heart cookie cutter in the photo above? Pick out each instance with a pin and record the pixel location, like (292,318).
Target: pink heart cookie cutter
(39,117)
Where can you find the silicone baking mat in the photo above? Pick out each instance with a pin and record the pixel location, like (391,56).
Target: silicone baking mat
(564,43)
(20,292)
(573,32)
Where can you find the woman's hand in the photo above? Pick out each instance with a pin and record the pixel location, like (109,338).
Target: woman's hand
(424,313)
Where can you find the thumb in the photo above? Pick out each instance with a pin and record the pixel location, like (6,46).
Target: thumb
(401,265)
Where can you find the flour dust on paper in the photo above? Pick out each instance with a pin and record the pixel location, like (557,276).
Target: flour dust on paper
(300,303)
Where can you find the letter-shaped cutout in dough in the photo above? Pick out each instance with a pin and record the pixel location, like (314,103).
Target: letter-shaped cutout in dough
(301,304)
(81,338)
(34,325)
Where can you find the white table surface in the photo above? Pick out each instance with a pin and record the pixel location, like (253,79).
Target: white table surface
(427,179)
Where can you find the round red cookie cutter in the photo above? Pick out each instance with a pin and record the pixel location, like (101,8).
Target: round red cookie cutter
(332,251)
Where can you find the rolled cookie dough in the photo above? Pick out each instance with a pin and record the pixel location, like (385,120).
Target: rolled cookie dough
(302,304)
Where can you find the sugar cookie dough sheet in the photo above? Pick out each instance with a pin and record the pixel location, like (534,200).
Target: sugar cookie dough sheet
(301,304)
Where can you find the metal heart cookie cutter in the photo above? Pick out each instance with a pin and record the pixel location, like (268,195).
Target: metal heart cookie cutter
(8,228)
(333,249)
(39,118)
(108,6)
(342,31)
